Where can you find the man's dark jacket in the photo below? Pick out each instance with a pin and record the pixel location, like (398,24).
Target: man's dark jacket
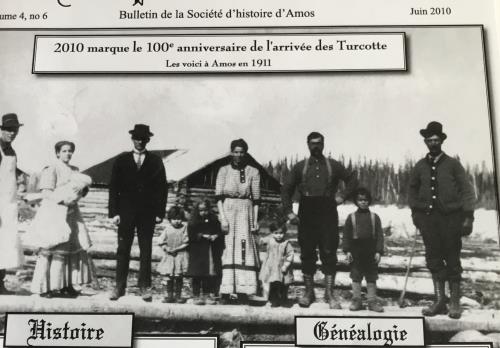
(454,189)
(133,191)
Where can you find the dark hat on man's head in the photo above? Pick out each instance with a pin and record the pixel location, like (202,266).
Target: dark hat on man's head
(141,131)
(433,128)
(10,120)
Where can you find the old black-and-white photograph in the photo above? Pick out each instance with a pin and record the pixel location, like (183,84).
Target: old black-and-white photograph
(230,203)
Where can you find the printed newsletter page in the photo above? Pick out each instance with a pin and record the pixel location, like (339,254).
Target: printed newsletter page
(290,174)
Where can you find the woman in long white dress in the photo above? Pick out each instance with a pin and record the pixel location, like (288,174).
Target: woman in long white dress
(61,266)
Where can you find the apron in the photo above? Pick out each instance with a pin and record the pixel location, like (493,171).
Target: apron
(11,253)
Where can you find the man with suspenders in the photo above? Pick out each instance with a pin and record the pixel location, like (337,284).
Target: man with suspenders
(316,181)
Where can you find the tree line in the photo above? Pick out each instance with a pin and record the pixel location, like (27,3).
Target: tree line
(389,183)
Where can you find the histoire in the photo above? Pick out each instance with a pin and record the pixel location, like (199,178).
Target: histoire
(44,330)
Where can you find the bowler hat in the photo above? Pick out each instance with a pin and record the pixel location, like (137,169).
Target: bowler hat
(141,131)
(10,120)
(433,128)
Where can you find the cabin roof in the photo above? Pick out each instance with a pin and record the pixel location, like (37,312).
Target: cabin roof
(186,166)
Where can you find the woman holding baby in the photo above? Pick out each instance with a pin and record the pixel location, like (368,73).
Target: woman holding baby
(63,239)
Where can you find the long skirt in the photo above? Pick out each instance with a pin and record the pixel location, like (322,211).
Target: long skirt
(57,270)
(240,259)
(66,264)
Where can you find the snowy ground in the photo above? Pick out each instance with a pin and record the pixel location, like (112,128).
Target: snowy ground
(481,253)
(399,219)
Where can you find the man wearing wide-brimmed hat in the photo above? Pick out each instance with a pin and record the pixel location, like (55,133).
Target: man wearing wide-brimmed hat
(10,248)
(137,200)
(442,201)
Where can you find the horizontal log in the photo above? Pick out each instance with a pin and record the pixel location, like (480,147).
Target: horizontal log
(207,191)
(103,231)
(108,252)
(103,211)
(105,248)
(97,195)
(236,316)
(420,286)
(94,200)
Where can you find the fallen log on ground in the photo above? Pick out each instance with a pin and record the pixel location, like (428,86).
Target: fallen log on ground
(420,286)
(105,247)
(389,261)
(482,320)
(390,283)
(389,265)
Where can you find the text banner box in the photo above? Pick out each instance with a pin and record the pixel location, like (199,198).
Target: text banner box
(176,341)
(359,331)
(219,53)
(291,345)
(68,330)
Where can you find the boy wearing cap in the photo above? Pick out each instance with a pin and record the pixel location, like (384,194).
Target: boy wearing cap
(137,200)
(442,200)
(10,248)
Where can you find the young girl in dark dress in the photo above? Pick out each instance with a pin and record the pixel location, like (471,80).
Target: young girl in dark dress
(206,244)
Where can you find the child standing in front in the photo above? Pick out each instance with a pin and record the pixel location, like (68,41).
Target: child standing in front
(363,243)
(276,271)
(174,242)
(206,244)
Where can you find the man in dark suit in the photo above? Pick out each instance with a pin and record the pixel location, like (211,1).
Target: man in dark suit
(137,200)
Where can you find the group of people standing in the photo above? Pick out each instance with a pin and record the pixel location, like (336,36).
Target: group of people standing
(221,252)
(61,233)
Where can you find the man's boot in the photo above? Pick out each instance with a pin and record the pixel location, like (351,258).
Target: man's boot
(225,299)
(170,292)
(178,290)
(115,294)
(439,305)
(330,297)
(356,302)
(308,298)
(146,294)
(373,304)
(455,312)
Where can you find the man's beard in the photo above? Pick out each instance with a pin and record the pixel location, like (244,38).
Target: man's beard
(435,150)
(316,152)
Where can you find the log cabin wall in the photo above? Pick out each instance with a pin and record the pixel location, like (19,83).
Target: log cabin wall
(95,204)
(197,185)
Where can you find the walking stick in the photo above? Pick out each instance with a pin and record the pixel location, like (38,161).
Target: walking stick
(408,267)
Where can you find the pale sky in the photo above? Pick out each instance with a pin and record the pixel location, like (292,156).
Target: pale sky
(376,115)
